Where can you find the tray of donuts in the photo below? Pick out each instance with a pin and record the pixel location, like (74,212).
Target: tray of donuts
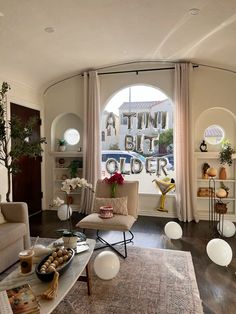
(59,260)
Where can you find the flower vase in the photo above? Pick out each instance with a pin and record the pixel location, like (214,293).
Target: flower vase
(222,173)
(113,190)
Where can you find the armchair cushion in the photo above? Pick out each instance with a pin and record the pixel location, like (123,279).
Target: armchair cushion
(117,222)
(119,204)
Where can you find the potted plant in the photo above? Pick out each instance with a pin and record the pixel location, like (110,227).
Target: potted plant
(225,155)
(13,139)
(62,145)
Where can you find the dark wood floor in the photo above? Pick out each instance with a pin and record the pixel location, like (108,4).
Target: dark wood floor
(217,285)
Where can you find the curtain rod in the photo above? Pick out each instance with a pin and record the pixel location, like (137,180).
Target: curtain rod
(142,70)
(116,72)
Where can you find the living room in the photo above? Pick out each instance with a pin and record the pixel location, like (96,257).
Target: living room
(48,50)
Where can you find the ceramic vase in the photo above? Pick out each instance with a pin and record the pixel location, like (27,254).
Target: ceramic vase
(222,173)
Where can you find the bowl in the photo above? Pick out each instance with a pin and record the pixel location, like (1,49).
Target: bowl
(48,276)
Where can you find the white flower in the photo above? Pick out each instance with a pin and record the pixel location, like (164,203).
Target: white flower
(66,186)
(57,202)
(71,184)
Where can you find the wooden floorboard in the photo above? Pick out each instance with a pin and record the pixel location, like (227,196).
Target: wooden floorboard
(217,285)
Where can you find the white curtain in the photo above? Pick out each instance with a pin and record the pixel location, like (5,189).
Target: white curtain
(91,138)
(183,145)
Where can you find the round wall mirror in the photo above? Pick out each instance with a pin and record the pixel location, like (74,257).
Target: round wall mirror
(214,134)
(72,136)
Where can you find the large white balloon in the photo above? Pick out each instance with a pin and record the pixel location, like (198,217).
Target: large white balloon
(219,252)
(64,212)
(228,228)
(173,230)
(106,265)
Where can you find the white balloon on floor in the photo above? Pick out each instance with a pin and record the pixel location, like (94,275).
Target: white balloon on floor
(64,212)
(219,252)
(228,228)
(173,230)
(106,265)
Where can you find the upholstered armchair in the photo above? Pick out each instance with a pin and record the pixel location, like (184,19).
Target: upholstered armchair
(119,222)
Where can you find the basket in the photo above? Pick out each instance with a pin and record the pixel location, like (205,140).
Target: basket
(221,208)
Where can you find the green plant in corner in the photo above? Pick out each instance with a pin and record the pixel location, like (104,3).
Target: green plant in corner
(16,139)
(225,155)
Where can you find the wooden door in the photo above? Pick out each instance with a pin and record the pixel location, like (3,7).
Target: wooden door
(26,185)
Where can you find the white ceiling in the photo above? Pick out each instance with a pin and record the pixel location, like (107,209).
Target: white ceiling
(96,33)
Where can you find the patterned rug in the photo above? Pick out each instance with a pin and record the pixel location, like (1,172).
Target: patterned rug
(149,281)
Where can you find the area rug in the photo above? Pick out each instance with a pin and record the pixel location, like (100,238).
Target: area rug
(149,281)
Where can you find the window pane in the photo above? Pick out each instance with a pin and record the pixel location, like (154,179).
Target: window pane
(138,126)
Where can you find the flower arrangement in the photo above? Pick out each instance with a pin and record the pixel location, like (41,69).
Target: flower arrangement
(114,180)
(72,184)
(68,186)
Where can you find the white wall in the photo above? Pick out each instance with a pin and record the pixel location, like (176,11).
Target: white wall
(24,95)
(60,100)
(209,88)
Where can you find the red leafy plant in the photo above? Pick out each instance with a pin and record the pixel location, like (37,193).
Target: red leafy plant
(114,180)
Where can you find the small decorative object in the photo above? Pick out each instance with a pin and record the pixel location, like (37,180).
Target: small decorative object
(61,162)
(173,230)
(204,192)
(226,188)
(106,212)
(203,146)
(59,260)
(114,180)
(64,177)
(220,207)
(219,252)
(225,155)
(221,193)
(61,145)
(222,173)
(106,265)
(51,292)
(226,228)
(212,172)
(164,187)
(205,167)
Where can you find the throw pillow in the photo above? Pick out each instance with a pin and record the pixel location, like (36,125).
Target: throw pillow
(119,204)
(2,219)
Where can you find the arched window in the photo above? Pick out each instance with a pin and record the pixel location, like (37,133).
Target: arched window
(139,121)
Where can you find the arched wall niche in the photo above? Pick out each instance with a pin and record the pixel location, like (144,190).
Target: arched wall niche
(60,124)
(215,116)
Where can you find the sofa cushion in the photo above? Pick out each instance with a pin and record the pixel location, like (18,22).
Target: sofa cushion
(117,222)
(11,232)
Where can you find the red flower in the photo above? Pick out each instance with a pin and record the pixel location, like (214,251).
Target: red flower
(115,178)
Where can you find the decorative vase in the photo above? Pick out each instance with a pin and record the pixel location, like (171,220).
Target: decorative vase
(70,242)
(113,190)
(62,148)
(222,173)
